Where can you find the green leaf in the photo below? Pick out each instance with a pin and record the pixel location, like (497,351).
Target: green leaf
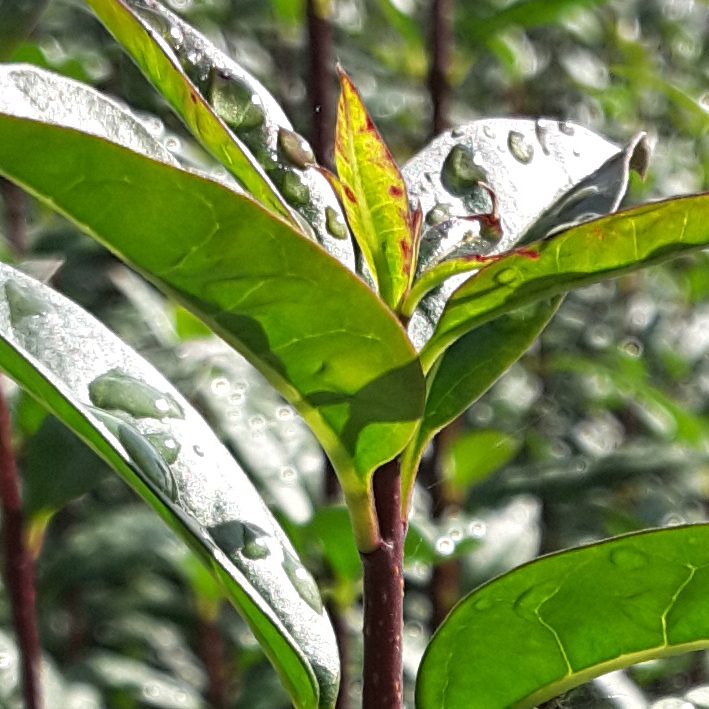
(17,18)
(312,328)
(592,252)
(564,619)
(133,418)
(475,455)
(232,115)
(374,197)
(467,370)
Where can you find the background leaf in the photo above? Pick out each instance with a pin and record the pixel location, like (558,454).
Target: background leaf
(129,414)
(565,618)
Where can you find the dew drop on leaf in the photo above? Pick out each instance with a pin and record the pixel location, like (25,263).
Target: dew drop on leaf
(24,302)
(302,582)
(165,444)
(148,460)
(460,174)
(294,189)
(520,147)
(116,390)
(335,224)
(507,277)
(438,214)
(295,148)
(234,102)
(629,559)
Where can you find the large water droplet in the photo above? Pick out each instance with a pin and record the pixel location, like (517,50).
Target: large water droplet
(148,460)
(234,102)
(520,147)
(444,546)
(629,559)
(165,444)
(460,174)
(243,537)
(119,391)
(566,128)
(335,224)
(25,302)
(438,214)
(302,581)
(295,148)
(294,188)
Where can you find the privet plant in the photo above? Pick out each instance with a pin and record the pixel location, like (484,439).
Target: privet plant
(380,304)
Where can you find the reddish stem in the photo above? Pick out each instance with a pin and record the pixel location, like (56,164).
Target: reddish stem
(211,649)
(441,50)
(19,567)
(384,597)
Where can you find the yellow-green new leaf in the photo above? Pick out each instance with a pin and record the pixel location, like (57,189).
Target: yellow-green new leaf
(374,197)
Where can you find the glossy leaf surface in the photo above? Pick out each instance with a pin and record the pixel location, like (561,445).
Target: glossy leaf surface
(585,254)
(563,619)
(231,114)
(131,416)
(467,370)
(310,326)
(487,185)
(374,196)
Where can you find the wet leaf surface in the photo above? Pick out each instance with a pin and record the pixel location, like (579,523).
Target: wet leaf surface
(563,619)
(232,115)
(120,406)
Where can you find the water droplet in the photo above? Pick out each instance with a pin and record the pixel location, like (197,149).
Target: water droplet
(457,133)
(483,604)
(294,188)
(257,423)
(302,581)
(460,174)
(566,128)
(198,451)
(520,147)
(444,546)
(119,391)
(220,386)
(456,534)
(242,537)
(234,102)
(507,276)
(488,131)
(295,148)
(529,602)
(438,214)
(628,559)
(284,413)
(542,134)
(25,302)
(165,444)
(172,144)
(148,460)
(335,224)
(287,474)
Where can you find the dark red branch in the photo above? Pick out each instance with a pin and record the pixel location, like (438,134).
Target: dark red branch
(211,650)
(19,567)
(14,199)
(320,81)
(384,597)
(441,52)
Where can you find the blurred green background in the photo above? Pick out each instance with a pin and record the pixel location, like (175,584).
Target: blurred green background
(602,428)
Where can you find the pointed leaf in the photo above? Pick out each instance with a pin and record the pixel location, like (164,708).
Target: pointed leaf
(131,416)
(466,371)
(484,186)
(564,619)
(231,114)
(316,331)
(585,254)
(374,196)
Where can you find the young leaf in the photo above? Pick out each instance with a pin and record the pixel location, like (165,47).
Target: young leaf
(487,185)
(131,416)
(314,329)
(566,618)
(466,371)
(231,114)
(374,197)
(585,254)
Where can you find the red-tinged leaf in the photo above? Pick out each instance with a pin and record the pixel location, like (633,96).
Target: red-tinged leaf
(374,197)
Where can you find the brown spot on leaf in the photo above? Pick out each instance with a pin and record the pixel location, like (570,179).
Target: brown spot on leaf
(349,194)
(396,192)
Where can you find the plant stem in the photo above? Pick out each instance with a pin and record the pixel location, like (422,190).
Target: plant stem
(19,567)
(211,649)
(14,199)
(441,49)
(384,597)
(320,81)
